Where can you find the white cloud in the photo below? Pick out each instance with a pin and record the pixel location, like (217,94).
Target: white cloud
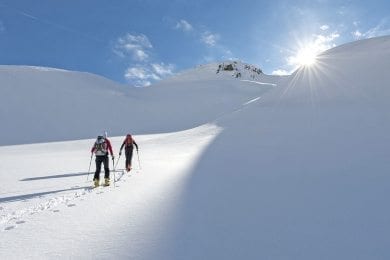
(324,27)
(143,70)
(381,29)
(162,69)
(324,42)
(184,26)
(145,75)
(280,72)
(357,34)
(140,55)
(136,46)
(140,76)
(136,73)
(209,38)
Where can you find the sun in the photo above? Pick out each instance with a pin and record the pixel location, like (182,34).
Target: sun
(306,56)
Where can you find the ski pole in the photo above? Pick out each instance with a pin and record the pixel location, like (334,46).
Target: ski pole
(139,163)
(113,162)
(89,169)
(117,161)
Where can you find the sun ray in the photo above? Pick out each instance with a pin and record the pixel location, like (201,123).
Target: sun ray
(306,56)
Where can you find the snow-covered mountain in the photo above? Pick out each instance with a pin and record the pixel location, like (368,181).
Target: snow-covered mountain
(43,104)
(272,168)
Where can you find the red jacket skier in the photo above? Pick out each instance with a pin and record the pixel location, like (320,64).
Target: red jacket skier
(128,144)
(101,148)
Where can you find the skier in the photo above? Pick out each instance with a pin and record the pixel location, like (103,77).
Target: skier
(128,144)
(101,148)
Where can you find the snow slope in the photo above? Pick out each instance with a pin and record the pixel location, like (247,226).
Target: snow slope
(303,173)
(48,209)
(296,172)
(42,104)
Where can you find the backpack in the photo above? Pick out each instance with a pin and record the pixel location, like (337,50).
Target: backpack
(101,146)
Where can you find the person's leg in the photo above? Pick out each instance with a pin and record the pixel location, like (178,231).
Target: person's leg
(98,161)
(106,168)
(130,157)
(129,154)
(127,159)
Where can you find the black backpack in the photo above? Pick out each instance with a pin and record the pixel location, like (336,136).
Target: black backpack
(101,146)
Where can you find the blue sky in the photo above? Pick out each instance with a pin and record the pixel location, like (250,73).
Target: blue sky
(138,42)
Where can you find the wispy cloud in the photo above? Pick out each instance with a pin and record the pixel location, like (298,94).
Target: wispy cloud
(209,38)
(357,34)
(142,75)
(324,27)
(137,46)
(137,50)
(211,41)
(383,28)
(163,70)
(280,72)
(184,26)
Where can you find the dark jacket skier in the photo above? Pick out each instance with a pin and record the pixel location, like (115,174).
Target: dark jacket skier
(128,144)
(101,148)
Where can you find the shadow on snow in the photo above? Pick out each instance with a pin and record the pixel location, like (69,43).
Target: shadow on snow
(38,194)
(56,176)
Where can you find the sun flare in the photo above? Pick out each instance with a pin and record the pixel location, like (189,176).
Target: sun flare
(306,56)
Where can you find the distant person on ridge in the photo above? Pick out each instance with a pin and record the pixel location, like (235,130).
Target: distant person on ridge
(128,144)
(101,148)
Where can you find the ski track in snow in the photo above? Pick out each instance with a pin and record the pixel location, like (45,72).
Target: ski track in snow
(9,221)
(259,83)
(251,101)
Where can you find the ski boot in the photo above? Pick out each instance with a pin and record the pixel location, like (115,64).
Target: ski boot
(96,182)
(106,181)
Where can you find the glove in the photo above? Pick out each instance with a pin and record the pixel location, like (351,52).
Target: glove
(120,153)
(113,157)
